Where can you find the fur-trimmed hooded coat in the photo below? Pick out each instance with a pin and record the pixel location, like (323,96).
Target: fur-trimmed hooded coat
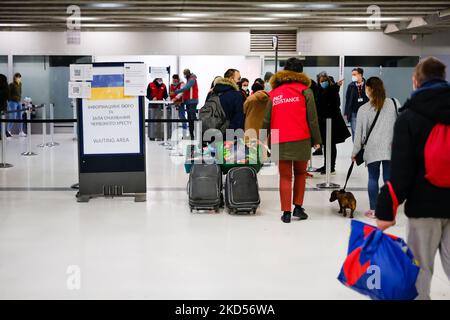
(296,150)
(232,102)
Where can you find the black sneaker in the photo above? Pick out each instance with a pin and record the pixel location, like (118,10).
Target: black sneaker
(300,213)
(8,134)
(286,217)
(320,170)
(324,172)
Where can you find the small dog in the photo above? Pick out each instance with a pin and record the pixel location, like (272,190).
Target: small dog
(346,201)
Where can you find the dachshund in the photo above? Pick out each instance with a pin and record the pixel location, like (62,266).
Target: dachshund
(346,201)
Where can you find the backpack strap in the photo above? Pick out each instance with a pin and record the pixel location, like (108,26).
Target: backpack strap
(395,105)
(372,126)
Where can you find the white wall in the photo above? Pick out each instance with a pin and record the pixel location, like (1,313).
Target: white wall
(126,43)
(206,68)
(359,43)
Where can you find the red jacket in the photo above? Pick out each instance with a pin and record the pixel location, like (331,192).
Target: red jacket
(153,91)
(172,94)
(289,112)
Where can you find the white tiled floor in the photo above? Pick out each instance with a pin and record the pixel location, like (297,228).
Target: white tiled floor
(157,249)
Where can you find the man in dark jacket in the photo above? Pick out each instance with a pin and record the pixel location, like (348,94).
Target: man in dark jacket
(231,98)
(355,97)
(427,205)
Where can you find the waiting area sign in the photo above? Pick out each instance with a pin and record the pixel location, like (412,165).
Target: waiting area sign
(111,137)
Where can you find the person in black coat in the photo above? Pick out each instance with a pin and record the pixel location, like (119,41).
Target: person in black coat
(231,98)
(328,106)
(427,198)
(4,95)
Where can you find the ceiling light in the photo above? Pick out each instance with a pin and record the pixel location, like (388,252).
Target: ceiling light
(444,13)
(320,6)
(391,28)
(416,23)
(258,18)
(375,18)
(188,25)
(169,18)
(15,25)
(278,5)
(290,15)
(107,5)
(104,25)
(194,14)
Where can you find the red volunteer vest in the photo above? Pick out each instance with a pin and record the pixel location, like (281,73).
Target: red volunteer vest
(289,112)
(192,93)
(172,93)
(157,93)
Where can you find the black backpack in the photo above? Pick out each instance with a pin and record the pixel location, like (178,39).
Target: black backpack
(212,115)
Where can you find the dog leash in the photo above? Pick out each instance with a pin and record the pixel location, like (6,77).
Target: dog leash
(349,173)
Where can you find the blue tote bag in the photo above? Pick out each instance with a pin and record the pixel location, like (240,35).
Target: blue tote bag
(379,265)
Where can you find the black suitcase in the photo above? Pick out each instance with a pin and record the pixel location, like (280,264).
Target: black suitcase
(241,190)
(205,187)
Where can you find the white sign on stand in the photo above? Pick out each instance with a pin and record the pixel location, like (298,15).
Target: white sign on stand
(135,79)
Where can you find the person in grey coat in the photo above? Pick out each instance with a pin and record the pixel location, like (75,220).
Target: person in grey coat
(379,146)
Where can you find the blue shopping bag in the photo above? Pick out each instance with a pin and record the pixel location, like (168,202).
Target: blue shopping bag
(379,265)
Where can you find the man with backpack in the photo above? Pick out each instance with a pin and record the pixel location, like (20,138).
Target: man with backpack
(420,171)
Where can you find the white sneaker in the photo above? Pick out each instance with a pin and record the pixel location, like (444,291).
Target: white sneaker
(22,134)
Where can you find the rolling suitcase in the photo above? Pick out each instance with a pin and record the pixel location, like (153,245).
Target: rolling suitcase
(241,190)
(205,187)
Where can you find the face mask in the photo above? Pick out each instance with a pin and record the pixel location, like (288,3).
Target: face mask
(324,84)
(354,78)
(159,82)
(245,88)
(19,80)
(267,87)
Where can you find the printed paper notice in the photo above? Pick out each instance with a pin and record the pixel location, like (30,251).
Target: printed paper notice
(81,72)
(135,79)
(111,126)
(79,90)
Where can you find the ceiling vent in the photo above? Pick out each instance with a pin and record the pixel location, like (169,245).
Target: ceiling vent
(261,40)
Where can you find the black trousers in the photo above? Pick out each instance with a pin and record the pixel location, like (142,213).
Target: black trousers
(191,109)
(333,156)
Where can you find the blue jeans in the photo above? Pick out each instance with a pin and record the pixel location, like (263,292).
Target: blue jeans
(182,114)
(13,106)
(353,125)
(374,176)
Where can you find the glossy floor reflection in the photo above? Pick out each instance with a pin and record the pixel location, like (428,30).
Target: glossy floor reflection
(157,249)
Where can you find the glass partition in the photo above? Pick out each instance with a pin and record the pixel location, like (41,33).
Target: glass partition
(45,78)
(4,65)
(396,73)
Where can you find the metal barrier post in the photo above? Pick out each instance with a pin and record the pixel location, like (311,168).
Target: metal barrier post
(173,117)
(328,184)
(28,152)
(52,143)
(75,124)
(165,127)
(44,127)
(3,164)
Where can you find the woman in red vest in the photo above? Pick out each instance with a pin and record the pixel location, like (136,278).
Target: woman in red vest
(292,111)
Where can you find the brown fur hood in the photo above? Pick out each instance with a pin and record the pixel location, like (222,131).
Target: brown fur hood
(285,76)
(226,82)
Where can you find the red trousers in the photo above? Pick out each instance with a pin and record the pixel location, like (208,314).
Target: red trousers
(285,169)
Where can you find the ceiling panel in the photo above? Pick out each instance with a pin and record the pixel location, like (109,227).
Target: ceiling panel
(159,15)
